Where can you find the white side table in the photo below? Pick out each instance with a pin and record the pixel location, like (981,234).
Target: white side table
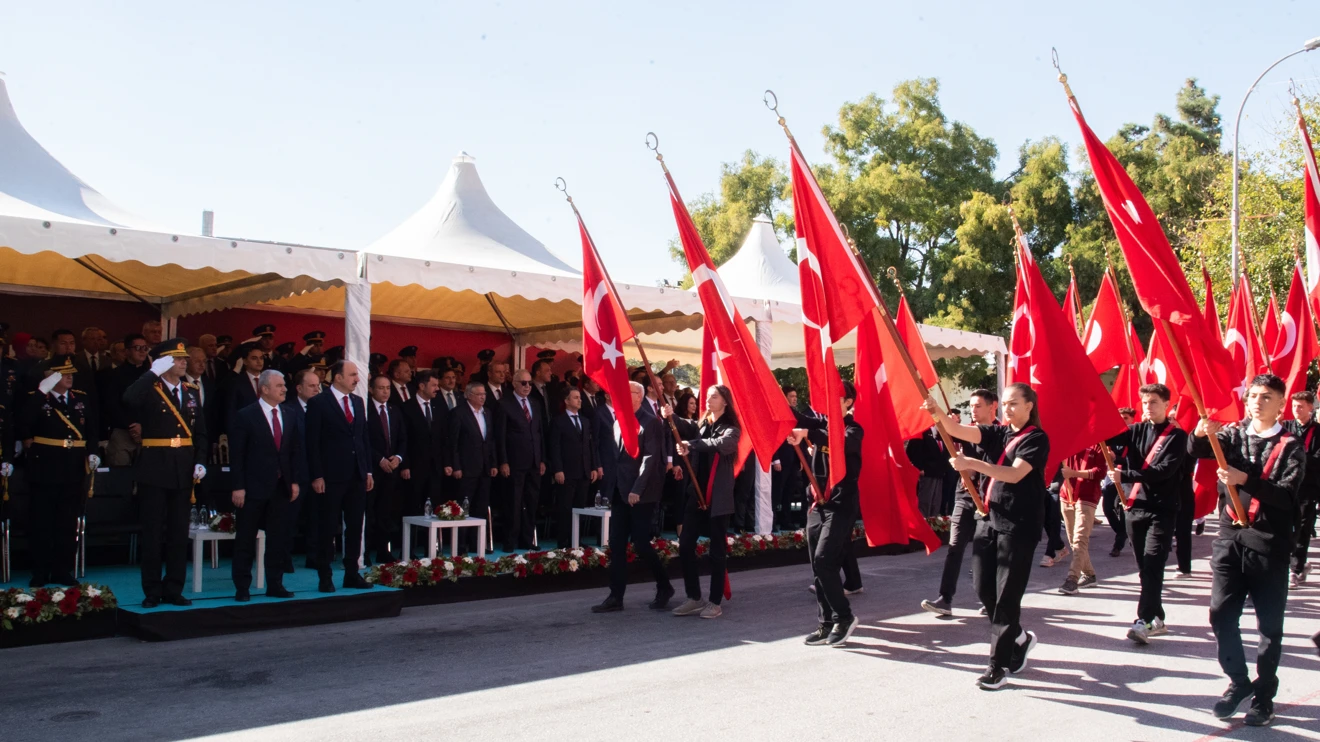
(201,536)
(432,525)
(602,513)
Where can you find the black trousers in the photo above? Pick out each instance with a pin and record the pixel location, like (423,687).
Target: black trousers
(1152,536)
(1054,541)
(54,517)
(271,514)
(1114,515)
(962,528)
(164,527)
(384,512)
(520,515)
(632,524)
(852,571)
(1236,573)
(829,539)
(293,518)
(342,505)
(571,494)
(1305,532)
(1182,529)
(475,488)
(696,523)
(1001,567)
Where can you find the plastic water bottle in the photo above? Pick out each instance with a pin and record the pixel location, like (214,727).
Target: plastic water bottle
(600,501)
(465,506)
(428,509)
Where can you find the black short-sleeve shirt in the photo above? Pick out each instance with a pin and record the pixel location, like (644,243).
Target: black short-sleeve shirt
(1017,509)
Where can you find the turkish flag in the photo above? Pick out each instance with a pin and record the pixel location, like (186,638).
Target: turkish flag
(1311,210)
(888,482)
(1072,304)
(822,373)
(1243,342)
(1158,277)
(1297,344)
(1131,375)
(1021,338)
(605,328)
(1075,409)
(916,345)
(762,410)
(1162,368)
(1211,311)
(1269,334)
(1105,343)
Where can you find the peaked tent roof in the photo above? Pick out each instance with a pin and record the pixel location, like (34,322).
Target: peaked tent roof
(760,269)
(58,234)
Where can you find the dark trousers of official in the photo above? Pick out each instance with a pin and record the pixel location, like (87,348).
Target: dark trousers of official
(1054,541)
(293,517)
(1182,530)
(962,529)
(1001,567)
(829,538)
(475,488)
(631,524)
(1236,573)
(54,518)
(384,513)
(1114,515)
(520,513)
(697,523)
(164,515)
(271,514)
(571,494)
(1151,534)
(341,506)
(1305,532)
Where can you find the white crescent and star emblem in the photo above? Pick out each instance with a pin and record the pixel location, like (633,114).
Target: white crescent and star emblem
(609,350)
(1288,326)
(1094,334)
(1131,209)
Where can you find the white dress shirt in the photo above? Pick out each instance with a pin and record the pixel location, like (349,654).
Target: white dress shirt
(265,413)
(478,413)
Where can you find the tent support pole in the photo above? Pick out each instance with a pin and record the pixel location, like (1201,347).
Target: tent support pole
(357,329)
(508,329)
(765,515)
(84,262)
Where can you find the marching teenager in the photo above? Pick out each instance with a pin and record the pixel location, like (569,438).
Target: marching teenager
(962,526)
(1113,508)
(712,447)
(1149,475)
(1078,498)
(1302,427)
(1005,542)
(1266,463)
(830,524)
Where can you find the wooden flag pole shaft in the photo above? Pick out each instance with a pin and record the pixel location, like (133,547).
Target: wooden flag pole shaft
(893,274)
(1240,513)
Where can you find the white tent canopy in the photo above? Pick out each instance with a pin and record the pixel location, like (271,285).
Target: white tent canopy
(60,235)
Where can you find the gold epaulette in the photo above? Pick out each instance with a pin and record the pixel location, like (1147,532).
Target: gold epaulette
(190,385)
(77,391)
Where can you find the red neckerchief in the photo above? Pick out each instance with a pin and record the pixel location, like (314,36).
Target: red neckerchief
(1156,449)
(1254,509)
(1012,444)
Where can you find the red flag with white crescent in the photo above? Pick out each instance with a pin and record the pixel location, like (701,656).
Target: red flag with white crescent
(1242,342)
(1131,375)
(1105,344)
(1311,211)
(1297,344)
(1211,311)
(910,334)
(1269,333)
(605,328)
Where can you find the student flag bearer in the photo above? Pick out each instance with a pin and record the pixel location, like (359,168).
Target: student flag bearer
(1266,463)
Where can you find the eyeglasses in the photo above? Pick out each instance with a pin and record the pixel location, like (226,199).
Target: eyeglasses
(523,383)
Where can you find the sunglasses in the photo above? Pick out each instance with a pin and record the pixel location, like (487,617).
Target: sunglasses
(523,383)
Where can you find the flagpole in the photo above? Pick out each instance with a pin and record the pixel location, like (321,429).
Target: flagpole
(1190,380)
(1255,320)
(702,502)
(1076,309)
(892,272)
(888,322)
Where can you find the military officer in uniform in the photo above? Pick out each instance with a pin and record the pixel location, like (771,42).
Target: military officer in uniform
(171,462)
(58,428)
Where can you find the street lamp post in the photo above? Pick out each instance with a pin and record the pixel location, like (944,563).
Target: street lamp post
(1237,124)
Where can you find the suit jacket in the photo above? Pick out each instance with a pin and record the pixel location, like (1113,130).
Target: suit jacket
(241,394)
(468,451)
(211,404)
(255,464)
(397,444)
(396,398)
(521,441)
(162,466)
(293,408)
(428,443)
(336,450)
(570,450)
(114,413)
(714,450)
(607,450)
(645,475)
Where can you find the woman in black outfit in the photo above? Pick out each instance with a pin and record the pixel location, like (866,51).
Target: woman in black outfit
(1005,541)
(712,447)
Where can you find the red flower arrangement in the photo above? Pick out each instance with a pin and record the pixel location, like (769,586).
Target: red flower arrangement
(20,607)
(223,523)
(449,511)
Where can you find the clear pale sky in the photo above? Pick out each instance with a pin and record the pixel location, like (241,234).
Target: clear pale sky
(328,123)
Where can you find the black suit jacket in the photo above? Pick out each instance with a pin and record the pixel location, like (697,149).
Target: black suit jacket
(255,464)
(211,405)
(240,394)
(293,408)
(397,444)
(468,451)
(571,451)
(337,451)
(607,451)
(428,444)
(645,475)
(396,399)
(521,442)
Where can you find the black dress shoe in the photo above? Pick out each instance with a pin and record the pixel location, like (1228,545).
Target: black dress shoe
(326,585)
(38,581)
(354,581)
(65,579)
(176,600)
(609,605)
(150,601)
(662,598)
(242,595)
(278,592)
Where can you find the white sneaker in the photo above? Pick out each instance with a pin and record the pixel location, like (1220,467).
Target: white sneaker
(1181,575)
(811,588)
(1047,561)
(1157,628)
(690,607)
(1295,580)
(1139,632)
(846,591)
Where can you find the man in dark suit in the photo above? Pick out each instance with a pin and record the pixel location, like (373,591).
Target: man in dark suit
(338,461)
(243,386)
(400,377)
(638,486)
(474,455)
(607,448)
(574,463)
(266,463)
(306,385)
(427,462)
(211,403)
(389,440)
(522,462)
(171,462)
(122,432)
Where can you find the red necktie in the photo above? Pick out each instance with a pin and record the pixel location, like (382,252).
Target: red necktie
(385,426)
(275,427)
(348,411)
(526,411)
